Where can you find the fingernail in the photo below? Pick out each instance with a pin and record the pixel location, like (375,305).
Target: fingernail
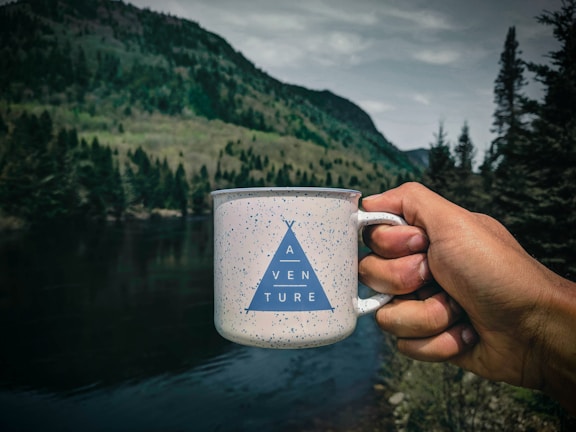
(456,308)
(417,243)
(469,336)
(424,270)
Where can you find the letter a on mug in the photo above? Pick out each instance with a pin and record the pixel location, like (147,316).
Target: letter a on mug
(289,283)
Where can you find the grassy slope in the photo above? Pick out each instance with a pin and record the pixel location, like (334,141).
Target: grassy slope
(197,141)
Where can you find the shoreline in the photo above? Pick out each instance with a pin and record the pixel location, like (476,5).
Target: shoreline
(15,224)
(371,413)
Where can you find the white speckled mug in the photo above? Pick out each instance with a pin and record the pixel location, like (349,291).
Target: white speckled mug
(286,265)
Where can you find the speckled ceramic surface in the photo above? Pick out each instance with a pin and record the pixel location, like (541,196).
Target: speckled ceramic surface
(286,265)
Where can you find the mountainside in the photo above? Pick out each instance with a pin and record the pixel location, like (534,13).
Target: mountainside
(420,157)
(134,78)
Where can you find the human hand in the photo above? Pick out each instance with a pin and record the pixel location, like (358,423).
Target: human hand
(494,310)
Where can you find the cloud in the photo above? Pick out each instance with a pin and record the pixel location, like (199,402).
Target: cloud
(423,19)
(421,99)
(269,53)
(437,57)
(320,32)
(338,45)
(333,48)
(292,35)
(330,12)
(376,107)
(264,22)
(330,49)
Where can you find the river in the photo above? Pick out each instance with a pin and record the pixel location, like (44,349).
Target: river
(111,329)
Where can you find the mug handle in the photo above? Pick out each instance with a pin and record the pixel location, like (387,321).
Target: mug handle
(371,304)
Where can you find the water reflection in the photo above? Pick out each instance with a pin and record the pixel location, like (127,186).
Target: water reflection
(111,329)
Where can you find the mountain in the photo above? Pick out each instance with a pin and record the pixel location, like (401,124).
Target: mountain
(135,79)
(420,157)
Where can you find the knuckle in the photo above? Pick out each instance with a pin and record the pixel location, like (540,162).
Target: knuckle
(436,313)
(407,273)
(413,186)
(383,318)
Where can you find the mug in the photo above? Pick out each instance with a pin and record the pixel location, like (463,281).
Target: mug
(286,265)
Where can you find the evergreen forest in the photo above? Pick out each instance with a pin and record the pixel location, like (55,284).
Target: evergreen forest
(527,178)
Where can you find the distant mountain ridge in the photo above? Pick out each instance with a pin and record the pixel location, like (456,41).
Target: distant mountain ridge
(420,157)
(110,60)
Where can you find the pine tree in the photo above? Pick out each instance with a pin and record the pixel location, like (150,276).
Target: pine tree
(19,176)
(117,196)
(508,124)
(505,161)
(440,173)
(36,181)
(552,166)
(29,168)
(200,189)
(181,189)
(465,187)
(100,180)
(142,180)
(464,153)
(158,197)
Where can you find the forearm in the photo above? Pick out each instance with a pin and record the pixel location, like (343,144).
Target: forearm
(559,342)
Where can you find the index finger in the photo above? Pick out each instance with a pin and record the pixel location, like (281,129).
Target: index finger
(394,241)
(416,203)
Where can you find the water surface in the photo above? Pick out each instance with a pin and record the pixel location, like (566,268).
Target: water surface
(111,328)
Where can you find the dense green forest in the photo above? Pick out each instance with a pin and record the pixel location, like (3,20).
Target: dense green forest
(527,178)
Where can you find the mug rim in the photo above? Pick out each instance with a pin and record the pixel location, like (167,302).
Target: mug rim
(285,189)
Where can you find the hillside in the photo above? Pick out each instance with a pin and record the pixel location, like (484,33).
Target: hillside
(420,157)
(134,78)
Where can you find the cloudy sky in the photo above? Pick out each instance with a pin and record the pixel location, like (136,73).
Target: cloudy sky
(409,63)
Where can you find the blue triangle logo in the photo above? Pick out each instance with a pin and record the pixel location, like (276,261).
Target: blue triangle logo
(289,283)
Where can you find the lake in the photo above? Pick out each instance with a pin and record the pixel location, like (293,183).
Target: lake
(111,328)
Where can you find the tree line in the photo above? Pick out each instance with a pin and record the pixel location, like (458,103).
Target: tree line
(527,178)
(47,176)
(258,171)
